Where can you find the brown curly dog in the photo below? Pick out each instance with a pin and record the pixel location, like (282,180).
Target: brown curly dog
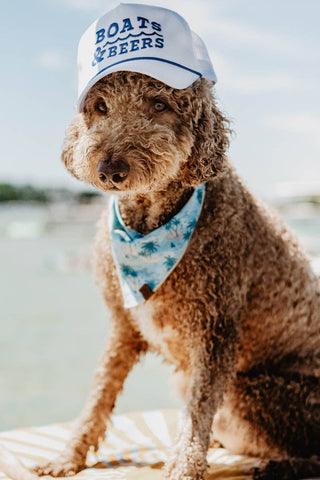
(239,317)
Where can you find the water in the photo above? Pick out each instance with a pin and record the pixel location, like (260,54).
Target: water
(54,322)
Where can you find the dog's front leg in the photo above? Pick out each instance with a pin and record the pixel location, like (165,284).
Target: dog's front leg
(211,373)
(122,351)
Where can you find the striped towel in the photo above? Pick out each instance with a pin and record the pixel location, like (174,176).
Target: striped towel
(135,448)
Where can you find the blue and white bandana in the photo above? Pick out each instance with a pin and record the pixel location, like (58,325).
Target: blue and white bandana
(145,261)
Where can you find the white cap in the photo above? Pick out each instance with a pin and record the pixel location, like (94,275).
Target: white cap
(145,39)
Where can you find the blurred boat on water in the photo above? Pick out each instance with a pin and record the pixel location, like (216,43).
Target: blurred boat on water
(299,205)
(24,229)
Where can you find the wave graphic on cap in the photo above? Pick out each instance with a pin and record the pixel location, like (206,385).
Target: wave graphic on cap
(132,35)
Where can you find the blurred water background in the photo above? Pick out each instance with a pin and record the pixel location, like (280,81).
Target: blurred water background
(53,320)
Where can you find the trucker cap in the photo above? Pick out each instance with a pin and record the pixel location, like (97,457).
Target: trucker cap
(146,39)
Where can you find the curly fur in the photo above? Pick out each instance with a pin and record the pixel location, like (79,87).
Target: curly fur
(239,317)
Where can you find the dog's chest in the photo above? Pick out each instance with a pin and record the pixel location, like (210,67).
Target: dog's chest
(161,339)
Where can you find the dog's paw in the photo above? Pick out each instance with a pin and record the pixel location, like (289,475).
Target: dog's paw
(185,467)
(59,467)
(176,474)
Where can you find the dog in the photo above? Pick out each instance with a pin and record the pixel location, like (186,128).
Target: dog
(238,316)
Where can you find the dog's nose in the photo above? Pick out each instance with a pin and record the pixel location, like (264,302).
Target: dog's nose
(115,169)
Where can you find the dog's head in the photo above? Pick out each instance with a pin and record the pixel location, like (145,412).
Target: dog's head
(137,134)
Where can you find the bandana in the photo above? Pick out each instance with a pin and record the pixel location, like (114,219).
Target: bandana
(144,262)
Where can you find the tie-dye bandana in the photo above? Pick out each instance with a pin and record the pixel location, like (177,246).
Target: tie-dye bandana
(144,261)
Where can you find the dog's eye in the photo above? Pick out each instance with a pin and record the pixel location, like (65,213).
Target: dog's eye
(159,106)
(101,107)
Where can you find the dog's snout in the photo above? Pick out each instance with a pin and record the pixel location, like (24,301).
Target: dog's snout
(115,169)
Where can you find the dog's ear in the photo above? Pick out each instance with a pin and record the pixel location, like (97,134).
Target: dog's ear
(211,133)
(70,141)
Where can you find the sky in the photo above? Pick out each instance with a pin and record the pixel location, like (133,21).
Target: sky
(266,55)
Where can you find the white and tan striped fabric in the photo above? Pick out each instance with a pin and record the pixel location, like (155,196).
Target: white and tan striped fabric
(135,448)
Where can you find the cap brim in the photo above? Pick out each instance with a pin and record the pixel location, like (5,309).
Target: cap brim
(160,69)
